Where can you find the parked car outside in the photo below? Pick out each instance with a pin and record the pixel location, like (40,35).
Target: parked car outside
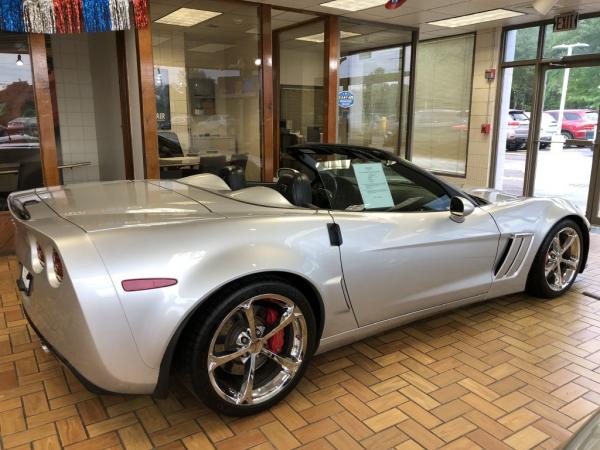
(549,129)
(518,130)
(23,125)
(578,123)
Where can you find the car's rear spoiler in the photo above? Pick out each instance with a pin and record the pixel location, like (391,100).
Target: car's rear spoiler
(18,206)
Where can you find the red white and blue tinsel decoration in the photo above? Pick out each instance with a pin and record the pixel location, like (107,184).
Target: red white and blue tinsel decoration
(11,16)
(393,4)
(71,16)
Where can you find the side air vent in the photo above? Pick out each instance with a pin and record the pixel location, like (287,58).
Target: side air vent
(513,256)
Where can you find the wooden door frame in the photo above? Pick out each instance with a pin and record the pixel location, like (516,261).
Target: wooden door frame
(267,108)
(332,58)
(125,111)
(43,104)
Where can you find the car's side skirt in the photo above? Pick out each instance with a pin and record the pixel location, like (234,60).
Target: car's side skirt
(351,336)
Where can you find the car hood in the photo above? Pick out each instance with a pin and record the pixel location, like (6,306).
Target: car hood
(101,206)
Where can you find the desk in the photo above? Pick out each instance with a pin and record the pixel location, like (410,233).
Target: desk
(179,161)
(9,169)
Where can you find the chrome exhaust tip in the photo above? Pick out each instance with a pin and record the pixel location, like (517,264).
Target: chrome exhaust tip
(45,348)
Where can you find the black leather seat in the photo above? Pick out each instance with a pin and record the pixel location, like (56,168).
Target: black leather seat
(234,177)
(295,187)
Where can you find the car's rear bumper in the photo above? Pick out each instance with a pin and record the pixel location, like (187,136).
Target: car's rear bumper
(89,385)
(74,344)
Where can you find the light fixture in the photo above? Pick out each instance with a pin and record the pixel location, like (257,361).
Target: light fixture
(19,61)
(187,17)
(257,62)
(354,5)
(544,6)
(319,38)
(211,48)
(476,18)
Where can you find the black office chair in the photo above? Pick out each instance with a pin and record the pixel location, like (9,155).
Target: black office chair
(240,161)
(313,134)
(169,145)
(172,174)
(212,164)
(287,139)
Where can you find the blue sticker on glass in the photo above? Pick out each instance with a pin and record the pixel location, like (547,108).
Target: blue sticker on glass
(346,99)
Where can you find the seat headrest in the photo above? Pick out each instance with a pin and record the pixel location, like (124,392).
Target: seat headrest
(234,177)
(295,187)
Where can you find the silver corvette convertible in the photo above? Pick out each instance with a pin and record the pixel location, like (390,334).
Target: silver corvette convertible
(237,285)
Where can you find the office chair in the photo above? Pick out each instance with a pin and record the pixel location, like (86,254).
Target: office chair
(212,164)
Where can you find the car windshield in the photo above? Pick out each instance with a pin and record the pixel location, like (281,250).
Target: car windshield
(362,182)
(592,116)
(519,115)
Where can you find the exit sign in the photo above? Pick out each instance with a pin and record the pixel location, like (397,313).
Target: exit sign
(566,22)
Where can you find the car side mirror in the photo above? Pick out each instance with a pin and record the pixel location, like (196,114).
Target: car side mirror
(460,208)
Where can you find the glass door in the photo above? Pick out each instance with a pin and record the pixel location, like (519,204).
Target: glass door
(594,202)
(566,133)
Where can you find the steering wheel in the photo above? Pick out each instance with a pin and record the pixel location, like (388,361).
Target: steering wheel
(329,182)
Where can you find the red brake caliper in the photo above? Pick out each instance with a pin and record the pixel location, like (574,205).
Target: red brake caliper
(275,343)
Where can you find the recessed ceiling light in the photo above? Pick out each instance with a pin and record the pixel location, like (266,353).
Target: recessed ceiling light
(319,38)
(472,19)
(211,48)
(354,5)
(187,17)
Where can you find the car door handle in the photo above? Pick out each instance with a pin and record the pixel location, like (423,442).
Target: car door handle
(335,234)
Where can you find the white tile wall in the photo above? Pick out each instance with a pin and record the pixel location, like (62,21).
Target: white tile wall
(78,139)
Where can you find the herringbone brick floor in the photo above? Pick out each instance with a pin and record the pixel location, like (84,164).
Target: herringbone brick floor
(516,372)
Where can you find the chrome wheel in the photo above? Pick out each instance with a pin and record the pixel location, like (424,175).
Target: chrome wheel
(562,259)
(257,350)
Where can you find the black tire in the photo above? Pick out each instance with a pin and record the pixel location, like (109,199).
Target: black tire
(199,336)
(537,283)
(567,135)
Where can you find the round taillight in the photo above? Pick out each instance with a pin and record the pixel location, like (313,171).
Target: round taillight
(58,265)
(41,256)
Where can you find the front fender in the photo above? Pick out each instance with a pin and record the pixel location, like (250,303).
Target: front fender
(535,216)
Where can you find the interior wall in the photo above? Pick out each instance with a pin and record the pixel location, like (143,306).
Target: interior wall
(483,107)
(75,100)
(89,109)
(107,108)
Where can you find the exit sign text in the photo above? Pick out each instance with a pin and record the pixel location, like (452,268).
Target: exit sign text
(566,22)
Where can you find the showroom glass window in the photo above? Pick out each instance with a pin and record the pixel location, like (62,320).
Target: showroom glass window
(374,75)
(20,166)
(444,84)
(207,79)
